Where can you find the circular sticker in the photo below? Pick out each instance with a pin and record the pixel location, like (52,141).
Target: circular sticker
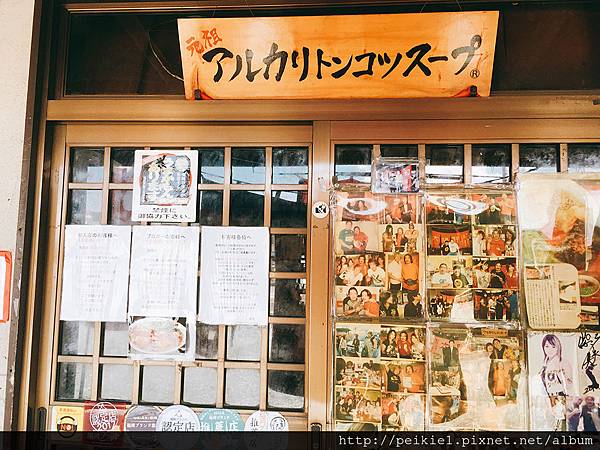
(320,210)
(142,418)
(266,421)
(104,416)
(66,426)
(178,418)
(221,420)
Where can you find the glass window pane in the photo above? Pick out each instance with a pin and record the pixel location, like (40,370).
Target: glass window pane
(353,162)
(243,343)
(207,341)
(290,165)
(542,158)
(399,150)
(115,339)
(87,165)
(248,165)
(247,208)
(200,386)
(444,163)
(116,381)
(76,338)
(242,388)
(584,157)
(288,209)
(157,384)
(210,207)
(212,165)
(491,163)
(120,207)
(74,381)
(286,343)
(285,390)
(121,165)
(85,207)
(288,298)
(288,253)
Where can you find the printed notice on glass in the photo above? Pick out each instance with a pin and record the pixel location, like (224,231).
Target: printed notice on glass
(95,273)
(234,276)
(164,271)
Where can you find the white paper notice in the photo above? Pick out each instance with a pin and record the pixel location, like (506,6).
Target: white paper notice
(95,273)
(164,271)
(234,276)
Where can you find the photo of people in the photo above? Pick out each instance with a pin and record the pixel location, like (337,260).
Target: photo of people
(402,342)
(449,240)
(391,175)
(583,413)
(403,238)
(405,377)
(359,206)
(358,372)
(449,209)
(496,305)
(495,273)
(505,367)
(357,301)
(357,340)
(500,209)
(451,304)
(449,272)
(401,209)
(360,270)
(355,237)
(494,241)
(358,405)
(403,412)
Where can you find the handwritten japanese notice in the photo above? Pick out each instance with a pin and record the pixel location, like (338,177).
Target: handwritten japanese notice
(164,271)
(95,273)
(362,56)
(234,276)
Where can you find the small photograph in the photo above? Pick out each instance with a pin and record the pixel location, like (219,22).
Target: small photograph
(568,292)
(541,272)
(401,209)
(447,383)
(403,376)
(403,342)
(403,412)
(403,276)
(357,372)
(357,340)
(449,240)
(589,316)
(402,238)
(359,206)
(451,304)
(495,273)
(353,427)
(357,301)
(450,272)
(360,270)
(355,237)
(358,405)
(159,337)
(447,347)
(446,407)
(393,175)
(496,305)
(500,208)
(583,413)
(490,240)
(453,209)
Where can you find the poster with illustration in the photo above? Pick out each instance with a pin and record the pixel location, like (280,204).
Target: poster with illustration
(165,186)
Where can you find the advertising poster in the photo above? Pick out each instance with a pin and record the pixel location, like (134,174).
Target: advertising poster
(95,273)
(234,276)
(165,186)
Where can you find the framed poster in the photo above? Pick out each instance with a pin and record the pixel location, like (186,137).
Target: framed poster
(165,186)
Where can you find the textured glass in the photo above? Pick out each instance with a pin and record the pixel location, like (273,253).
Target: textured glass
(540,158)
(242,388)
(285,390)
(584,157)
(121,165)
(491,163)
(120,207)
(76,338)
(74,381)
(212,165)
(288,253)
(290,165)
(210,204)
(243,343)
(157,384)
(288,297)
(200,386)
(116,381)
(288,209)
(444,163)
(286,343)
(85,207)
(207,341)
(248,165)
(247,208)
(115,339)
(87,165)
(399,150)
(353,162)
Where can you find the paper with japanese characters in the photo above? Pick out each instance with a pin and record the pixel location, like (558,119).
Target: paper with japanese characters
(95,273)
(234,276)
(165,186)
